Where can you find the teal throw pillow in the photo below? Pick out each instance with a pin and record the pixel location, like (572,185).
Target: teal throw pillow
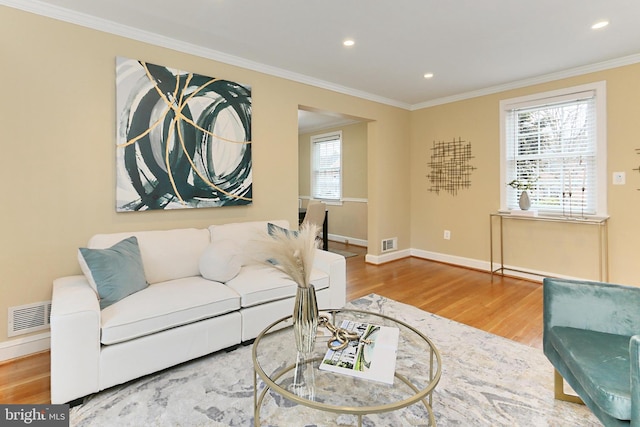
(273,229)
(116,272)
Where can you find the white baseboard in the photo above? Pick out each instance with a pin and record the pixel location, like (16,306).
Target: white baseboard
(511,270)
(451,259)
(348,240)
(479,265)
(462,262)
(387,257)
(24,346)
(434,256)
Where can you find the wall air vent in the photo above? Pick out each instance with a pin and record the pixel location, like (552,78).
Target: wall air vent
(28,318)
(389,244)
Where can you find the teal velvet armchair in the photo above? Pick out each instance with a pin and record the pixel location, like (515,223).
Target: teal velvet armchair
(592,338)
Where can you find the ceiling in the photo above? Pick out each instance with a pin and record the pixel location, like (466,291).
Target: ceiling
(314,121)
(472,47)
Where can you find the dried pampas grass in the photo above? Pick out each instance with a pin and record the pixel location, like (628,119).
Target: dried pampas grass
(291,252)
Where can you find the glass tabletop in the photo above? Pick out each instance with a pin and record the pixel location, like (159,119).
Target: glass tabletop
(299,379)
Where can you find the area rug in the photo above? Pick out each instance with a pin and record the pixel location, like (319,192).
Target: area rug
(486,381)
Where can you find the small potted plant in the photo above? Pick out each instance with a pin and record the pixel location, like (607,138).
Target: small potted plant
(523,185)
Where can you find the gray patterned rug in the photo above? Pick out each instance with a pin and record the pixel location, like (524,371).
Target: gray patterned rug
(486,381)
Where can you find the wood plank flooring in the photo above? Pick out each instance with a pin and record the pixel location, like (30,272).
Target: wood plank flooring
(508,307)
(26,380)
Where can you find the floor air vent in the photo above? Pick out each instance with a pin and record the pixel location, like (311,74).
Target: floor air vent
(389,244)
(28,318)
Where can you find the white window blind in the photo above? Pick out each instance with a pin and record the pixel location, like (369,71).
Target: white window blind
(326,161)
(551,145)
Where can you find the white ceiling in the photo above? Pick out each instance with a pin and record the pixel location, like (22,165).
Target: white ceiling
(472,46)
(314,121)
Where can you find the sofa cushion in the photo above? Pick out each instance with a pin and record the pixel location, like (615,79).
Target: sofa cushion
(319,279)
(114,273)
(166,305)
(221,261)
(166,254)
(600,363)
(259,284)
(245,234)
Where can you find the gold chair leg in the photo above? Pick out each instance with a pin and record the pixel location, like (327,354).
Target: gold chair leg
(558,388)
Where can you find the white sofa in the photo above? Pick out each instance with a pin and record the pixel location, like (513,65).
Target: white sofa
(181,315)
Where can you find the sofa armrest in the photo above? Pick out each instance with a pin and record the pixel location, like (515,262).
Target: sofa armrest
(336,267)
(75,339)
(594,306)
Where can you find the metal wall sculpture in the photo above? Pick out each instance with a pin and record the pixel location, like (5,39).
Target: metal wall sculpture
(183,139)
(450,168)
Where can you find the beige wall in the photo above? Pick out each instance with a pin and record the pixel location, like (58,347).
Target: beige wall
(566,250)
(349,219)
(58,150)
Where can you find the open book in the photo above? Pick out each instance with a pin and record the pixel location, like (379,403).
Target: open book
(375,360)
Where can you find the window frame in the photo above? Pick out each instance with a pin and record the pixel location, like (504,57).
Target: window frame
(315,139)
(555,96)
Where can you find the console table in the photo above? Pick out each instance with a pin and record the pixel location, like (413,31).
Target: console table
(600,222)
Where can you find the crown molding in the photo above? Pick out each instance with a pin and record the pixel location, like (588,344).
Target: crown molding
(572,72)
(111,27)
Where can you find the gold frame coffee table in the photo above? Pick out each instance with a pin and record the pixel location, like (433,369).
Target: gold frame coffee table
(282,373)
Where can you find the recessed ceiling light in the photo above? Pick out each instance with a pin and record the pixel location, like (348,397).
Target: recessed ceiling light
(600,24)
(428,75)
(348,42)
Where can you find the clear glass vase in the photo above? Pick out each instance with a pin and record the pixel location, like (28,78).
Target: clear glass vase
(305,319)
(304,382)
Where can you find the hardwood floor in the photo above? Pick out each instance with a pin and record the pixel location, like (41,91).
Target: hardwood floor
(26,380)
(508,307)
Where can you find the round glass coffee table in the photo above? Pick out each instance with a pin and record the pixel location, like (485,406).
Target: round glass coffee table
(292,390)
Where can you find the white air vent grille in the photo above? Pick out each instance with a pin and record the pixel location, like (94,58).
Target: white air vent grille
(29,318)
(389,244)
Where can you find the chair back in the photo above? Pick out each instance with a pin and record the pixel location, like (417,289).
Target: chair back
(316,211)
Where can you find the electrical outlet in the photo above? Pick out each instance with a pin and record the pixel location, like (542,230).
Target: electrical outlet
(447,235)
(619,178)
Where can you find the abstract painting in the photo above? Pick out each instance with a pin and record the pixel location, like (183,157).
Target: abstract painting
(183,139)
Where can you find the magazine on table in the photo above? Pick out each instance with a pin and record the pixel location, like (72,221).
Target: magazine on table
(372,357)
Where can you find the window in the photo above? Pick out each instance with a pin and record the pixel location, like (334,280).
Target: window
(326,166)
(554,143)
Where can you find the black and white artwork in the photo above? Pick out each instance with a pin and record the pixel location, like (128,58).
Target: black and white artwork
(183,139)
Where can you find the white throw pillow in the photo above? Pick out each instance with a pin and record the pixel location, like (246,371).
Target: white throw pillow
(245,235)
(221,261)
